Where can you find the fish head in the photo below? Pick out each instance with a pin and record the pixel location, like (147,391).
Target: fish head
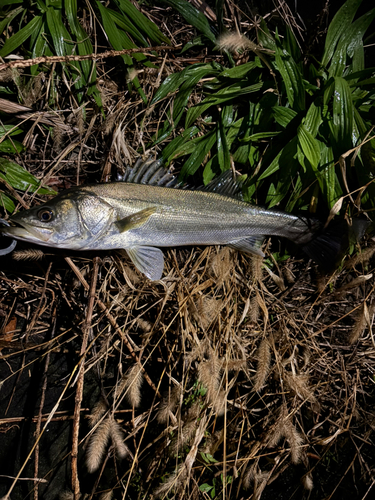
(73,220)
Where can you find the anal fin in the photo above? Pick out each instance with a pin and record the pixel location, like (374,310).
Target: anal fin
(249,245)
(148,260)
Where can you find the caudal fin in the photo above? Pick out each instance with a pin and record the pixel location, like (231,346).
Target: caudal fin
(329,245)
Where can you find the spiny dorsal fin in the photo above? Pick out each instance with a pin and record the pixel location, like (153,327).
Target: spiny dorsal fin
(153,172)
(226,185)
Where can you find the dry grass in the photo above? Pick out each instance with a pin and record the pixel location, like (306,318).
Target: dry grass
(224,373)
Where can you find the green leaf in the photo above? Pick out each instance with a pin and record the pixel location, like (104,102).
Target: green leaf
(124,23)
(265,38)
(343,114)
(60,35)
(283,116)
(240,71)
(9,130)
(7,202)
(222,146)
(198,148)
(194,17)
(169,151)
(339,25)
(84,44)
(327,176)
(9,18)
(309,146)
(169,85)
(285,157)
(11,146)
(19,178)
(351,44)
(205,487)
(313,118)
(291,76)
(39,47)
(21,36)
(142,22)
(224,95)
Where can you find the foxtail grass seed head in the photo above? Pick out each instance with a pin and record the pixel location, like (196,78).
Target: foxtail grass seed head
(117,437)
(28,254)
(263,366)
(97,412)
(235,42)
(98,445)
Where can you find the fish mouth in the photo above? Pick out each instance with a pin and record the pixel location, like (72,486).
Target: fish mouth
(26,232)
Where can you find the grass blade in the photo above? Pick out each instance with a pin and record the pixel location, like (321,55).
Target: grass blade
(194,17)
(21,36)
(338,26)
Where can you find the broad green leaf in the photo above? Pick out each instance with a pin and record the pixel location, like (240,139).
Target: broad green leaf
(265,38)
(169,85)
(286,157)
(222,146)
(39,47)
(142,22)
(272,167)
(7,20)
(84,44)
(175,80)
(194,17)
(21,36)
(327,176)
(7,202)
(59,33)
(11,146)
(9,130)
(342,114)
(188,134)
(198,41)
(198,148)
(339,25)
(351,44)
(112,31)
(283,116)
(259,136)
(19,178)
(124,23)
(313,118)
(241,70)
(292,78)
(220,97)
(309,146)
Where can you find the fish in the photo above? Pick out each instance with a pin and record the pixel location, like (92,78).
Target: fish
(150,210)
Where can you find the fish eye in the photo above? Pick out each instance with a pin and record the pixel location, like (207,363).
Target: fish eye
(45,215)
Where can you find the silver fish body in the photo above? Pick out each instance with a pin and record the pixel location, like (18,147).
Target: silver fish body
(142,218)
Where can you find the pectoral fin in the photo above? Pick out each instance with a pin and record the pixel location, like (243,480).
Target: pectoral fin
(135,220)
(249,245)
(148,260)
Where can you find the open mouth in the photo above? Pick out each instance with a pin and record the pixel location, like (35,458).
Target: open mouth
(26,232)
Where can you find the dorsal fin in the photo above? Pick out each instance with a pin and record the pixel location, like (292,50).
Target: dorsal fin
(150,172)
(226,185)
(154,173)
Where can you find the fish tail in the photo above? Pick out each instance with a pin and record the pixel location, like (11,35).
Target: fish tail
(328,245)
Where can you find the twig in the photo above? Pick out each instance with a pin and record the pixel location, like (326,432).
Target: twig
(40,414)
(80,381)
(85,57)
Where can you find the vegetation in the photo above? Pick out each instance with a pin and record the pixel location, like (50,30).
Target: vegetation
(231,377)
